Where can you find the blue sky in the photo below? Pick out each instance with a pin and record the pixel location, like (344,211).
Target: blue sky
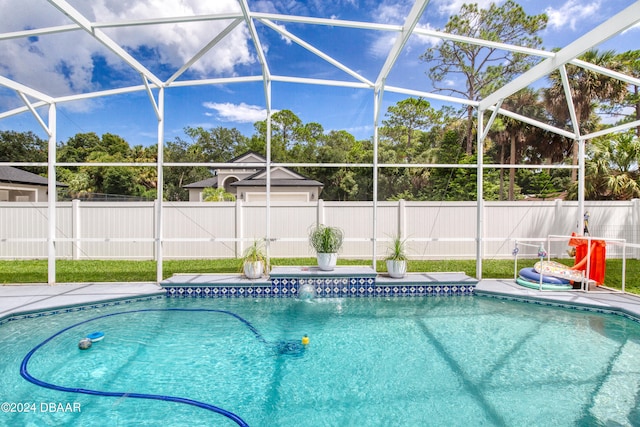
(73,62)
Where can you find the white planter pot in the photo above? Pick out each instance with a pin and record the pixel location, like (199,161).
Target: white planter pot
(396,269)
(253,270)
(327,262)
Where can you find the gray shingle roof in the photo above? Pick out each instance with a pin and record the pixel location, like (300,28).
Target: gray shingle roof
(205,183)
(277,183)
(19,176)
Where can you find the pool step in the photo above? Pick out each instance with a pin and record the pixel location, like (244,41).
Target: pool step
(343,281)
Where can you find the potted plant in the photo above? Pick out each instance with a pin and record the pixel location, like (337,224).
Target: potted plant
(326,241)
(397,258)
(254,260)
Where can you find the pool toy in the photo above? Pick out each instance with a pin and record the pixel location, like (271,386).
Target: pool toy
(95,336)
(84,344)
(545,286)
(556,269)
(532,275)
(305,340)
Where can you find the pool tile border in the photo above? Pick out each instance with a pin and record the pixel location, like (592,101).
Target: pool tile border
(335,287)
(557,304)
(76,308)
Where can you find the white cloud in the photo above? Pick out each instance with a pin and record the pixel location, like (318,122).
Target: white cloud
(452,7)
(239,113)
(177,43)
(571,13)
(63,64)
(395,13)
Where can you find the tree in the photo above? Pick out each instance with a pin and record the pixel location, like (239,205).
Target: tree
(630,64)
(483,69)
(344,183)
(406,121)
(541,184)
(175,177)
(588,88)
(216,145)
(217,195)
(612,168)
(515,133)
(115,145)
(78,148)
(23,147)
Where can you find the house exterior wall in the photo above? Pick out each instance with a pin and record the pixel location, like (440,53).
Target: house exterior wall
(22,193)
(195,194)
(298,194)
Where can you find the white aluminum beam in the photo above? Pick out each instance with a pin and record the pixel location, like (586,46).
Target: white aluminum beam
(491,120)
(39,32)
(534,122)
(99,35)
(328,22)
(204,50)
(316,51)
(575,121)
(168,20)
(407,29)
(217,81)
(430,95)
(35,113)
(151,97)
(615,129)
(52,196)
(25,90)
(246,13)
(160,188)
(322,82)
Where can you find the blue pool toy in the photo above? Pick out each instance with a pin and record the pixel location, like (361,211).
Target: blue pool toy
(95,336)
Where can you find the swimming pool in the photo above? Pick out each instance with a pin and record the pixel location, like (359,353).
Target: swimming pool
(370,362)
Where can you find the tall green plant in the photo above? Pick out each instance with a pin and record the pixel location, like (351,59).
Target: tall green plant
(254,253)
(397,250)
(326,240)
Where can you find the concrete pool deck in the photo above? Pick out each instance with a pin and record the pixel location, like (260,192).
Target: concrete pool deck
(22,299)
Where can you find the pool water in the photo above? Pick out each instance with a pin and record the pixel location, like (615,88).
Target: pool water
(451,361)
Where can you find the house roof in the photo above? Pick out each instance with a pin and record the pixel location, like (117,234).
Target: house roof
(205,183)
(278,183)
(13,175)
(284,177)
(291,179)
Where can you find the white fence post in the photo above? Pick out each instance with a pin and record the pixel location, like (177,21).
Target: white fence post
(156,236)
(76,229)
(320,212)
(402,219)
(635,222)
(239,246)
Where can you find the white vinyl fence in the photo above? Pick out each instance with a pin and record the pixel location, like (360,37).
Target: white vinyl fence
(434,230)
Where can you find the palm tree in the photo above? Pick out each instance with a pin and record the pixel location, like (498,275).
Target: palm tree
(587,89)
(526,103)
(516,134)
(612,168)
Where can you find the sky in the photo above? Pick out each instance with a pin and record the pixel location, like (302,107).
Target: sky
(73,62)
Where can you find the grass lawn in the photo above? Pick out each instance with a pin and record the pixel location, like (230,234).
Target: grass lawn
(35,271)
